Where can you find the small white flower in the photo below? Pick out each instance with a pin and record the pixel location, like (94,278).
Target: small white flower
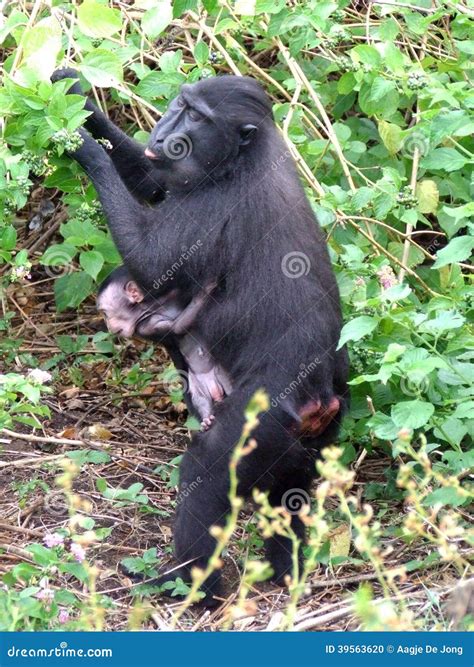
(38,376)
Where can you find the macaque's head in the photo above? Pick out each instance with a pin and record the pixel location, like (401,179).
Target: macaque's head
(122,303)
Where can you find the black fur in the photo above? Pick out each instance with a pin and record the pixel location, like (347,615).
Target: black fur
(238,201)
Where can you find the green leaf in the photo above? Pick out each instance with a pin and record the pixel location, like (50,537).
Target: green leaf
(381,87)
(97,20)
(357,329)
(465,411)
(391,135)
(72,289)
(446,159)
(447,495)
(158,18)
(58,254)
(383,427)
(201,53)
(92,262)
(170,61)
(457,250)
(102,68)
(427,194)
(393,58)
(367,54)
(245,7)
(383,108)
(445,321)
(412,414)
(41,44)
(8,238)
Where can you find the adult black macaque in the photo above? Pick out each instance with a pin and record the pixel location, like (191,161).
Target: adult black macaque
(234,196)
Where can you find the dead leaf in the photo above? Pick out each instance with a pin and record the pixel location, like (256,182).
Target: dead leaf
(71,392)
(340,541)
(99,432)
(69,432)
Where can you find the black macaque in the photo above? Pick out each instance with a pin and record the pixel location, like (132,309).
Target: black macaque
(128,311)
(217,197)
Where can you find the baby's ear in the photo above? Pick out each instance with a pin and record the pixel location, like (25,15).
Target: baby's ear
(133,292)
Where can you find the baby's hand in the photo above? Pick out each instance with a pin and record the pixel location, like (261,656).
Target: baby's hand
(207,423)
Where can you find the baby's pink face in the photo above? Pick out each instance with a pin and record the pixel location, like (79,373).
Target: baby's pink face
(117,312)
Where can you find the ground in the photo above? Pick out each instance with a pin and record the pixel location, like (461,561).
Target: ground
(92,399)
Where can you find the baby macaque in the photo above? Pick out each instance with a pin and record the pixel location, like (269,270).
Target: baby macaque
(128,311)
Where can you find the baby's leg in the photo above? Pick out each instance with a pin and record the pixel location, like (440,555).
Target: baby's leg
(201,399)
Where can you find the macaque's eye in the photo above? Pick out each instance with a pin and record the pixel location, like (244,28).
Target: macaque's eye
(180,102)
(195,115)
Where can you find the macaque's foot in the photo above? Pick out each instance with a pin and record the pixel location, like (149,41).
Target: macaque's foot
(207,423)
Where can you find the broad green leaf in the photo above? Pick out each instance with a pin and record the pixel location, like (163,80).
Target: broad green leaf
(201,53)
(445,321)
(41,47)
(58,254)
(158,18)
(394,351)
(98,20)
(92,262)
(451,430)
(412,414)
(383,427)
(381,87)
(447,159)
(367,54)
(447,495)
(245,7)
(393,58)
(427,195)
(465,411)
(102,68)
(383,108)
(8,238)
(70,290)
(457,250)
(170,61)
(357,329)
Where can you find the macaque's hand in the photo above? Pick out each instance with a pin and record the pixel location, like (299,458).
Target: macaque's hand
(68,73)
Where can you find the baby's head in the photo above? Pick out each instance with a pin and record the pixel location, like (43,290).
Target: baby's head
(124,305)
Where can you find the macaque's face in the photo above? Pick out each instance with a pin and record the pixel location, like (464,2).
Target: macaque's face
(122,306)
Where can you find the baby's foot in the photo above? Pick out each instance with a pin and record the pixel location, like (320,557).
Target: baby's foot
(207,423)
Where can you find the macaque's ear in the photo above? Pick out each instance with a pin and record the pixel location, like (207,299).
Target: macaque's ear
(133,292)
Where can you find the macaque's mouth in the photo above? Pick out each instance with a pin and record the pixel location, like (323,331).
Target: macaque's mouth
(149,153)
